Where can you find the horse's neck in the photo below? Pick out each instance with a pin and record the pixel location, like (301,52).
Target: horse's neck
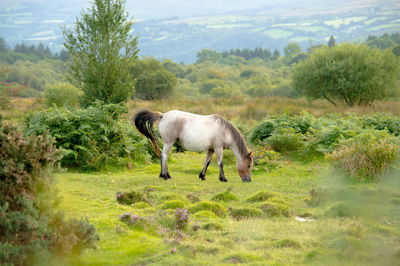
(236,150)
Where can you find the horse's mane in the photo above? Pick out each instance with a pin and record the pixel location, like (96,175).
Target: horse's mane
(236,135)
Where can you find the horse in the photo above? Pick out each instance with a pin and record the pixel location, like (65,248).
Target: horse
(194,132)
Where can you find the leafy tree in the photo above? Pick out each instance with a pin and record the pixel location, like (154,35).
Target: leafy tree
(155,85)
(396,50)
(3,46)
(276,54)
(152,81)
(290,51)
(208,55)
(331,42)
(355,74)
(102,48)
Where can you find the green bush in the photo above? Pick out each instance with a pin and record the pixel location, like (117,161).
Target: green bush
(30,230)
(90,138)
(380,121)
(367,156)
(62,94)
(262,131)
(286,140)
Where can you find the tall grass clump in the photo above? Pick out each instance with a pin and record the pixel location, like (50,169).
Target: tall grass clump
(90,138)
(30,229)
(367,156)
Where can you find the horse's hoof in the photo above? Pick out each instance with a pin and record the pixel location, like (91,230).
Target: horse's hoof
(165,176)
(202,177)
(223,179)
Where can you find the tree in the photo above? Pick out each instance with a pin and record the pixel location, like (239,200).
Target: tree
(355,74)
(331,42)
(208,55)
(290,51)
(101,50)
(155,85)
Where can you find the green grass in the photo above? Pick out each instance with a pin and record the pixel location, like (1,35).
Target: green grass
(250,236)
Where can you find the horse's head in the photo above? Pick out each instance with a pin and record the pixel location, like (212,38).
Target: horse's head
(244,167)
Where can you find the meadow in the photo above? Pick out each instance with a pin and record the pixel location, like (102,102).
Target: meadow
(295,211)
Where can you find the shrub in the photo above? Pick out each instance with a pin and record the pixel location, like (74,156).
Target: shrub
(181,218)
(62,94)
(367,156)
(30,230)
(214,207)
(262,131)
(90,138)
(264,155)
(131,197)
(136,221)
(383,122)
(242,213)
(286,140)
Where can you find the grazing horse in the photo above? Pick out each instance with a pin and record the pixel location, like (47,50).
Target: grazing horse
(209,133)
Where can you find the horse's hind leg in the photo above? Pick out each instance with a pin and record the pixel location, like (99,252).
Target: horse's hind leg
(210,154)
(164,161)
(220,154)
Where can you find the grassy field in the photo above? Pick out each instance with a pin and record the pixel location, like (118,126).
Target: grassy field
(295,214)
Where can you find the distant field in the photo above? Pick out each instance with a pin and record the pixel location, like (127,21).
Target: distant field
(278,33)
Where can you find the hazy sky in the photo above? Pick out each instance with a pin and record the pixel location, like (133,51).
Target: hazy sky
(145,9)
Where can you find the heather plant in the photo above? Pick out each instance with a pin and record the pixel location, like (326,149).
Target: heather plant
(131,197)
(181,218)
(30,229)
(367,156)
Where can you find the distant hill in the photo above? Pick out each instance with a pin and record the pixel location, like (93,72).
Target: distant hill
(178,29)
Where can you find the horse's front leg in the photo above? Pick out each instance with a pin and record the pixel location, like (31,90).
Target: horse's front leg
(202,174)
(219,152)
(164,161)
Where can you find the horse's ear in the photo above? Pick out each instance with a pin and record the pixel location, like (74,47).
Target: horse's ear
(251,154)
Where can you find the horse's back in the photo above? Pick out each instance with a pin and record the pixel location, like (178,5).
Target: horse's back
(195,132)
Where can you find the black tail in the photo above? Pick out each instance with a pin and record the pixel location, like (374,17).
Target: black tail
(144,121)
